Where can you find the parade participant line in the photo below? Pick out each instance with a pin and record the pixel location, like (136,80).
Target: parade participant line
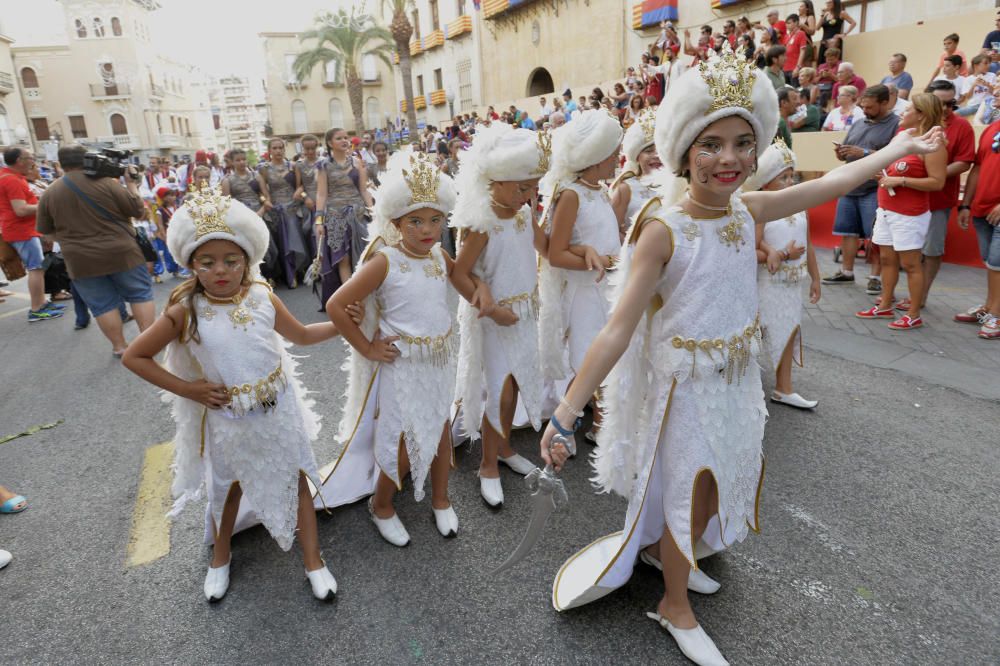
(149,539)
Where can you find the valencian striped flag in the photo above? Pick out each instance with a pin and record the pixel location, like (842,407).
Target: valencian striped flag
(654,11)
(719,4)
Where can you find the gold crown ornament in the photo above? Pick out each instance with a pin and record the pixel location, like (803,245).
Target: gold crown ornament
(647,123)
(730,78)
(207,207)
(545,151)
(422,179)
(786,153)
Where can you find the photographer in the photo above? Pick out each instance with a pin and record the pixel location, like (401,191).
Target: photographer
(90,217)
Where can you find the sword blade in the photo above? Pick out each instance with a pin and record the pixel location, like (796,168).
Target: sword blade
(543,506)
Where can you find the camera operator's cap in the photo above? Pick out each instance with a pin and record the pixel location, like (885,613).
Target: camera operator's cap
(208,215)
(775,159)
(726,85)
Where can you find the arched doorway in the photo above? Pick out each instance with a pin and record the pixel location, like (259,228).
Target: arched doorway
(118,125)
(540,83)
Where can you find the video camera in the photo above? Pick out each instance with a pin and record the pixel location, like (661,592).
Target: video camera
(108,163)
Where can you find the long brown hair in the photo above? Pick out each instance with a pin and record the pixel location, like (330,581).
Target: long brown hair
(329,135)
(931,111)
(186,292)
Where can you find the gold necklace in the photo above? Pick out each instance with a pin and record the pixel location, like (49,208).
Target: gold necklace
(728,208)
(241,314)
(414,255)
(587,183)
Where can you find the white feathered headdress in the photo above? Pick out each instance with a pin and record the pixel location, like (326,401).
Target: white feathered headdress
(411,182)
(589,139)
(640,135)
(726,85)
(208,215)
(770,164)
(499,153)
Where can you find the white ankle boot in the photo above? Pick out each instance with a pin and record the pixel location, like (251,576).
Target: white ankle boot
(217,582)
(492,491)
(446,521)
(391,528)
(324,585)
(694,643)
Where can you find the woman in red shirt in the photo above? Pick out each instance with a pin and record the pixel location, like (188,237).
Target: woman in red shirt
(904,213)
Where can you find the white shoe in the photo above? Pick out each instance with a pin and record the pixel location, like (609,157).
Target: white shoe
(324,585)
(447,522)
(492,491)
(391,529)
(793,400)
(694,643)
(217,582)
(698,580)
(518,463)
(5,558)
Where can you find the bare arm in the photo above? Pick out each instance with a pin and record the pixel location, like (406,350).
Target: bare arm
(365,281)
(620,197)
(461,274)
(226,189)
(766,206)
(290,328)
(363,182)
(933,182)
(22,208)
(139,358)
(563,220)
(851,23)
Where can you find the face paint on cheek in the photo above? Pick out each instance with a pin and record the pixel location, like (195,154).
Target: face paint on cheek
(700,160)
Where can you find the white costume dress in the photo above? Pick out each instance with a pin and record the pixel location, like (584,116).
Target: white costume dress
(780,294)
(490,353)
(408,400)
(685,398)
(642,190)
(263,438)
(575,307)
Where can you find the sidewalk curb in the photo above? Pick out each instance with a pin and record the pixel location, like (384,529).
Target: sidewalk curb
(969,379)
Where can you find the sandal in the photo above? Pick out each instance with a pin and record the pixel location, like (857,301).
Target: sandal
(906,323)
(11,505)
(62,296)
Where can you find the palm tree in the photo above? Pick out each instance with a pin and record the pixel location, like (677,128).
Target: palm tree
(344,39)
(401,33)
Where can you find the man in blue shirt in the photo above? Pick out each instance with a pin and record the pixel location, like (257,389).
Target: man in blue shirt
(569,104)
(898,76)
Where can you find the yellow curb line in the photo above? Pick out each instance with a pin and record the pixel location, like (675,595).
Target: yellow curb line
(149,538)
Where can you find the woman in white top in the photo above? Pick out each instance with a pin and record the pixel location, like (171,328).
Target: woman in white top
(846,113)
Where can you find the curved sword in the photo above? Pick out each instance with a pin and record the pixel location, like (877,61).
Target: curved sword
(548,494)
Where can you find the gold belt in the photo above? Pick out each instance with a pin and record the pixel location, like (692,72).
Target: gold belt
(262,394)
(437,350)
(735,351)
(528,301)
(790,274)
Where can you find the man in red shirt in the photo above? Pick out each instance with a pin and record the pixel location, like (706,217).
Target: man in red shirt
(795,42)
(847,77)
(961,155)
(982,203)
(774,23)
(17,226)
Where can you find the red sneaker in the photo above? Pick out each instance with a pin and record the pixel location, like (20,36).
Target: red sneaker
(903,305)
(971,316)
(874,313)
(990,330)
(905,323)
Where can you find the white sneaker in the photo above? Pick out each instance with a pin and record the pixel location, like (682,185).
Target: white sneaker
(5,558)
(324,585)
(446,521)
(698,580)
(793,400)
(491,491)
(391,529)
(694,643)
(518,463)
(217,582)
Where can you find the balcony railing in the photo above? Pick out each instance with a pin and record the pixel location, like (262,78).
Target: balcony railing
(438,97)
(493,7)
(433,40)
(416,47)
(6,82)
(460,26)
(157,91)
(121,141)
(169,141)
(419,102)
(117,91)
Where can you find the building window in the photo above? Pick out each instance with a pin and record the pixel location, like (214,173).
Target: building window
(415,20)
(78,126)
(331,70)
(374,112)
(118,125)
(41,127)
(290,77)
(81,29)
(98,27)
(420,85)
(461,7)
(336,113)
(300,122)
(28,78)
(438,80)
(116,26)
(465,85)
(369,68)
(435,21)
(108,78)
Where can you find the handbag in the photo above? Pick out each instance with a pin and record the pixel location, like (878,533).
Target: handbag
(140,239)
(10,262)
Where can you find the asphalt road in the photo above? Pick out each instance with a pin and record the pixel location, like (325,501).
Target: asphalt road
(878,544)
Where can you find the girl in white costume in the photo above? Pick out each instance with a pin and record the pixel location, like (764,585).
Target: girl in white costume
(635,185)
(575,300)
(778,292)
(499,236)
(683,402)
(244,427)
(401,371)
